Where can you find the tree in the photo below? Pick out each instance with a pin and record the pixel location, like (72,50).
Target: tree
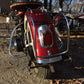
(80,0)
(67,3)
(61,4)
(45,3)
(78,7)
(50,5)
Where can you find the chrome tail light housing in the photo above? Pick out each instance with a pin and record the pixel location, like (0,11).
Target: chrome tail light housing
(45,36)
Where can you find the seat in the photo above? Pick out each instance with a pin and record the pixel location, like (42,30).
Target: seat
(25,5)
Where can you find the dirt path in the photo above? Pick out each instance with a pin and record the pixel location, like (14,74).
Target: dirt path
(14,71)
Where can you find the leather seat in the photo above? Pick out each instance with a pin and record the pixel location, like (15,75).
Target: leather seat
(25,5)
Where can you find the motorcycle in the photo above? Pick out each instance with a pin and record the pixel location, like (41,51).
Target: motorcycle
(35,35)
(76,22)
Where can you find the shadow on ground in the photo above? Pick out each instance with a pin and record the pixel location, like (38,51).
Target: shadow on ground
(73,72)
(66,72)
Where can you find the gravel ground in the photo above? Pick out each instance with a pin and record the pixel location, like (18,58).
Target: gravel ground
(14,71)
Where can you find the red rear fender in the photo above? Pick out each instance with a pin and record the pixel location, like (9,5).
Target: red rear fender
(42,18)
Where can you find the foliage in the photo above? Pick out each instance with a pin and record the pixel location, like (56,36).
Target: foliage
(74,6)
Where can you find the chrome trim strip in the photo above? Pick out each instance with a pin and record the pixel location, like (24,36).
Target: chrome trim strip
(50,60)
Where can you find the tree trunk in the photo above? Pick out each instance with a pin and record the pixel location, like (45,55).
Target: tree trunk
(50,5)
(61,4)
(45,4)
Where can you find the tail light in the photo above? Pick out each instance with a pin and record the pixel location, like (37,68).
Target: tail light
(45,36)
(19,13)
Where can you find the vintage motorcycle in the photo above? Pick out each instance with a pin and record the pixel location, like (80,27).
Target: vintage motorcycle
(76,22)
(34,34)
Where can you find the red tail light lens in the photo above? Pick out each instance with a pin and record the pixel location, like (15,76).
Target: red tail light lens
(45,36)
(20,12)
(48,38)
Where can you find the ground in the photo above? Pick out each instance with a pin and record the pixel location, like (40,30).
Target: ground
(14,70)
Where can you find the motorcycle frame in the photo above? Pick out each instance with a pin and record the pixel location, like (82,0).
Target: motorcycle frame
(61,53)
